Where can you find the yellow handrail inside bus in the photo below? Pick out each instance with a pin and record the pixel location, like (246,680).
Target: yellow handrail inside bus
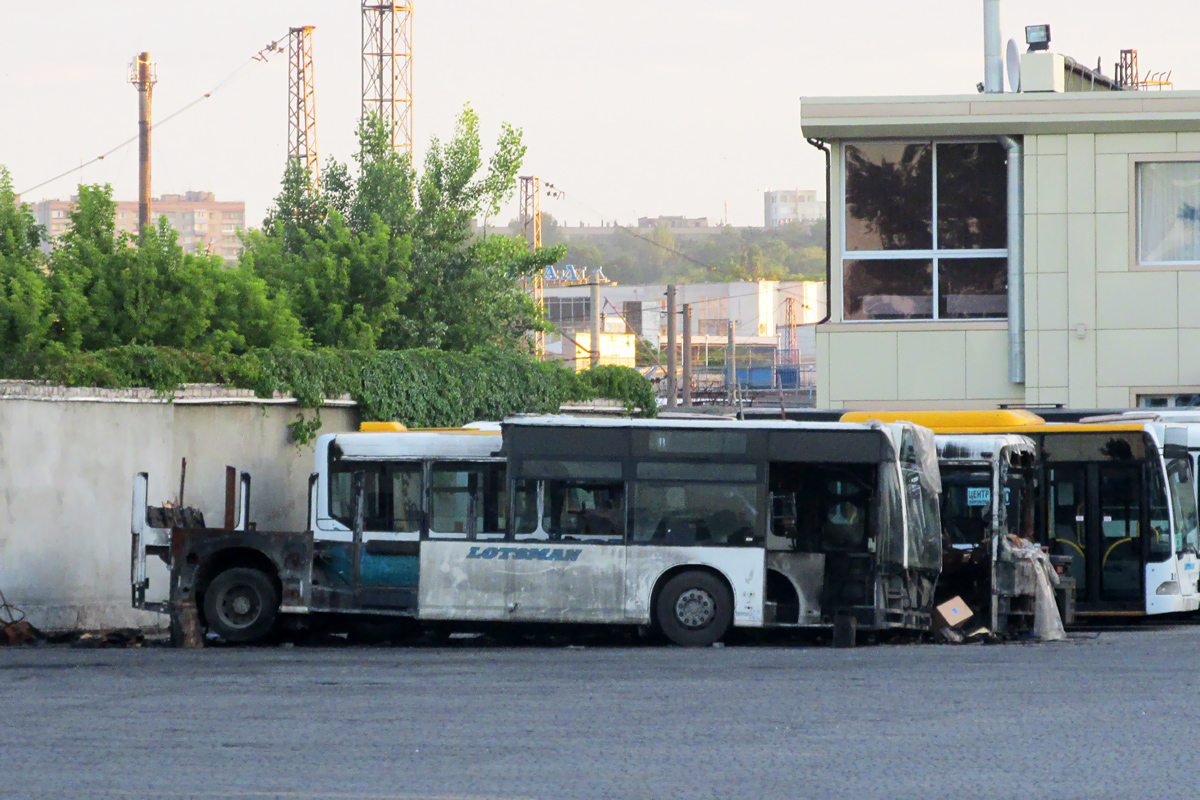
(1104,560)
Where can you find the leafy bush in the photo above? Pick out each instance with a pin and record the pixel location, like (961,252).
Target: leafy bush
(420,388)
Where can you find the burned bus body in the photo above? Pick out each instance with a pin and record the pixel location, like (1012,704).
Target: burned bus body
(688,526)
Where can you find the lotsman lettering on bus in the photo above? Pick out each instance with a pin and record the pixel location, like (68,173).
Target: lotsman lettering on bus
(525,553)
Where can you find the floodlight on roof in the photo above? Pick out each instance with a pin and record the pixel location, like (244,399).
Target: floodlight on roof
(1037,37)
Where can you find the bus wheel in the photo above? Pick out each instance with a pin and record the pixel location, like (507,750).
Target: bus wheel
(694,609)
(241,604)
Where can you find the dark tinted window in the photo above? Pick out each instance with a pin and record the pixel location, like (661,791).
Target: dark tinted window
(888,289)
(586,511)
(972,288)
(688,514)
(972,210)
(889,196)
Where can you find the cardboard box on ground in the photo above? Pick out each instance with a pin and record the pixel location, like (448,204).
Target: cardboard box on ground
(949,621)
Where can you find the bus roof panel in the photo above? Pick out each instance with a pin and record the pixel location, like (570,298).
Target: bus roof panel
(419,444)
(566,421)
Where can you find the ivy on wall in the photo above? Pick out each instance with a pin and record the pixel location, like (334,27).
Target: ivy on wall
(420,388)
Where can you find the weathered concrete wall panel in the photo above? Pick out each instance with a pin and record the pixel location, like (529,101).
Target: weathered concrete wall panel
(66,472)
(66,480)
(254,439)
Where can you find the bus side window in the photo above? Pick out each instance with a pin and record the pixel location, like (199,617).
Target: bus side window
(405,497)
(450,495)
(585,511)
(377,495)
(491,503)
(525,511)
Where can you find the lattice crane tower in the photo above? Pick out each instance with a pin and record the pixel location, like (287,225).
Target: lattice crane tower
(387,68)
(302,104)
(531,229)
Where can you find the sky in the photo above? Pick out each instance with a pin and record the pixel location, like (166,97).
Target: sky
(647,108)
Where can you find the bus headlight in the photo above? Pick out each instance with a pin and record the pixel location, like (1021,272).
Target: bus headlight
(1168,587)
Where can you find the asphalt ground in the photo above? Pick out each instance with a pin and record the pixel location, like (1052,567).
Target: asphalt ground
(1109,714)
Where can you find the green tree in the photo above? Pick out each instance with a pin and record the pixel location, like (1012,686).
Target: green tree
(106,292)
(344,287)
(385,258)
(24,296)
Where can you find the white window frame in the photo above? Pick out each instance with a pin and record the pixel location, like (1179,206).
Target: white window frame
(935,255)
(1137,220)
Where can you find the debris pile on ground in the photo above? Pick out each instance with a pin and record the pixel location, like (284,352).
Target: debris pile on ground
(118,637)
(949,618)
(172,516)
(14,628)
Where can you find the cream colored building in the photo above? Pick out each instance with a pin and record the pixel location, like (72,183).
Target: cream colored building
(204,224)
(1109,250)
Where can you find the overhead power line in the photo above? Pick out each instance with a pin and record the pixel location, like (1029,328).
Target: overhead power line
(261,55)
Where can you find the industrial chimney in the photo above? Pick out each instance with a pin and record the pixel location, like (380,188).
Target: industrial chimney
(143,75)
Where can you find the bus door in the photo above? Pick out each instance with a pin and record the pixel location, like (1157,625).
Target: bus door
(1097,514)
(1181,490)
(468,505)
(382,567)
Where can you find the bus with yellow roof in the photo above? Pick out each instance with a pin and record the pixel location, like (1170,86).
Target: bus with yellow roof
(1118,495)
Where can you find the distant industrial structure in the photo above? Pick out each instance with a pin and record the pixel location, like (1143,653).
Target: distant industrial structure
(302,103)
(786,206)
(387,75)
(143,74)
(204,224)
(767,325)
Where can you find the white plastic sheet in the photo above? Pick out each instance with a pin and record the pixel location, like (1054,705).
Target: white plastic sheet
(1047,624)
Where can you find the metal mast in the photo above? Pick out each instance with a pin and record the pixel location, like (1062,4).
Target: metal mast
(143,74)
(791,342)
(531,229)
(302,103)
(387,68)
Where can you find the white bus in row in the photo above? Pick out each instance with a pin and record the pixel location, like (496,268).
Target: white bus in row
(1115,493)
(688,526)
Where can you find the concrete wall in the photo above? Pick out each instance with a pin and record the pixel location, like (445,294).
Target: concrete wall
(66,478)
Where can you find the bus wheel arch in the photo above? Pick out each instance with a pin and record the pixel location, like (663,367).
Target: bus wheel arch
(238,594)
(692,605)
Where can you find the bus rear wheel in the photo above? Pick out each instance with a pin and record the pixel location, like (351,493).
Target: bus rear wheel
(241,604)
(694,609)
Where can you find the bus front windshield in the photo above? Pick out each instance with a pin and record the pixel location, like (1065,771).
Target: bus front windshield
(1183,503)
(966,504)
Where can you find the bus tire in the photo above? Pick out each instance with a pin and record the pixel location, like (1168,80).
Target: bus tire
(694,609)
(240,605)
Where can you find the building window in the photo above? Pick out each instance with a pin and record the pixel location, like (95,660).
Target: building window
(631,310)
(1168,401)
(925,231)
(568,312)
(1168,212)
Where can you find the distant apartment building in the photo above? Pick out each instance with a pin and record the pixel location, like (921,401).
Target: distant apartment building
(672,222)
(204,224)
(786,206)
